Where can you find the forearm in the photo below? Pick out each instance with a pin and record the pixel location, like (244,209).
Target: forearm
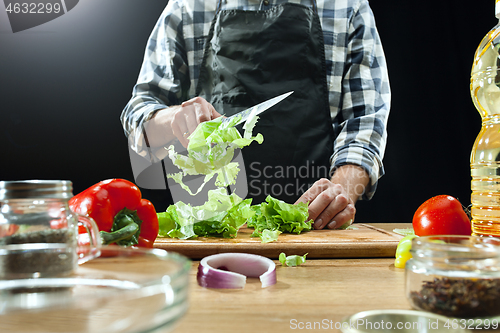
(162,83)
(354,179)
(135,117)
(159,129)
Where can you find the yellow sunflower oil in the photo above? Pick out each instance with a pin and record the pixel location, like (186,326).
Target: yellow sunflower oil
(485,155)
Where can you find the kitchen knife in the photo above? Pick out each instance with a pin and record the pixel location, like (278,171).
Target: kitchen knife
(255,110)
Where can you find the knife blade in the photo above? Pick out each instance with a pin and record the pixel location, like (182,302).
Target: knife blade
(257,109)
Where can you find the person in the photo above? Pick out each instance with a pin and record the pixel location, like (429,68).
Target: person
(324,144)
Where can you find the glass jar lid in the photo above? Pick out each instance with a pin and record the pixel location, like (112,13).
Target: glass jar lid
(46,189)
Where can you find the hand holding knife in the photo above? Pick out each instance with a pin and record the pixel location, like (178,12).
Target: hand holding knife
(183,119)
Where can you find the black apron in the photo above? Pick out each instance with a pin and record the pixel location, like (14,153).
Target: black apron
(252,56)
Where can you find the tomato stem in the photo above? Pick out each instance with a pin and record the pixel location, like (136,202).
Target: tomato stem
(467,211)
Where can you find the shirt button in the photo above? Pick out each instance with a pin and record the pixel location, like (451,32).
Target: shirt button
(266,2)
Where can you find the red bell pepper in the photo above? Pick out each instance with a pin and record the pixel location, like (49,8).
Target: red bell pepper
(122,216)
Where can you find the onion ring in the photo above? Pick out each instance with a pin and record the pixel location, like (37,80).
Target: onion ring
(230,270)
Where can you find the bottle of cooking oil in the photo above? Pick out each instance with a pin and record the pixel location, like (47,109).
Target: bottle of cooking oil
(485,156)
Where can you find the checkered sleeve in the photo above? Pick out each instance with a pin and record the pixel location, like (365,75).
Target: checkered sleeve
(163,79)
(361,122)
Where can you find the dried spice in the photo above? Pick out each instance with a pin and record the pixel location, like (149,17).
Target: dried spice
(39,236)
(459,297)
(50,261)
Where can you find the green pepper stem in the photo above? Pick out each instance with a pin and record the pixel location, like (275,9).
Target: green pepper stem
(124,233)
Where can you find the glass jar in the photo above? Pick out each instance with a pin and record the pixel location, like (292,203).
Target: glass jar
(38,231)
(455,276)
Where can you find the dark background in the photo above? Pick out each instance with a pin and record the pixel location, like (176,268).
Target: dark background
(64,84)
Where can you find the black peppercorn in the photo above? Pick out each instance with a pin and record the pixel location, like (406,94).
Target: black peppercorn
(459,297)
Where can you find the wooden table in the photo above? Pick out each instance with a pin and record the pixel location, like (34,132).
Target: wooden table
(321,289)
(317,294)
(321,292)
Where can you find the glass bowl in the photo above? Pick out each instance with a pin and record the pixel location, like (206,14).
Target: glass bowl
(408,321)
(123,290)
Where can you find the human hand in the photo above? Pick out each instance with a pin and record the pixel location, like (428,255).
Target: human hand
(189,115)
(329,204)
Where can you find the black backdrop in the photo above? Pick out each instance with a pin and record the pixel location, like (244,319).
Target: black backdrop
(64,84)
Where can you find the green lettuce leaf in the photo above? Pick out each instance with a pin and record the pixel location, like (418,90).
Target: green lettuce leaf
(210,152)
(267,236)
(404,232)
(292,260)
(347,226)
(276,215)
(222,215)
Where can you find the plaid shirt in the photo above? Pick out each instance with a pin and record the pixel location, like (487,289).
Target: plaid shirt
(359,92)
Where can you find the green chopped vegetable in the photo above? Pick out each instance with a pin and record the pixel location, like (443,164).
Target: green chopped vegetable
(268,236)
(404,232)
(276,215)
(211,150)
(351,227)
(292,260)
(347,226)
(222,215)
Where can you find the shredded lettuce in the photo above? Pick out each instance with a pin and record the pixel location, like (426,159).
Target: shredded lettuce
(292,260)
(276,215)
(267,236)
(347,226)
(222,215)
(404,231)
(210,152)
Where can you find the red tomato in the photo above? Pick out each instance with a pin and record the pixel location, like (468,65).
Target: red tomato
(441,215)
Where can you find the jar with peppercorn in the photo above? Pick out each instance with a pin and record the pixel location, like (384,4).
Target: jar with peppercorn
(455,276)
(39,232)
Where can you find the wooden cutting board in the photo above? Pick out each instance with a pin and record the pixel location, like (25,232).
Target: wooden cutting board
(366,241)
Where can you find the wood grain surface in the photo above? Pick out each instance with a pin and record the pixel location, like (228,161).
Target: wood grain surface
(315,296)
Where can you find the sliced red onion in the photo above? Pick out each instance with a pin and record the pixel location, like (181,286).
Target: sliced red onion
(230,270)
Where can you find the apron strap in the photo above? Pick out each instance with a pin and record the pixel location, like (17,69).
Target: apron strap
(219,6)
(315,7)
